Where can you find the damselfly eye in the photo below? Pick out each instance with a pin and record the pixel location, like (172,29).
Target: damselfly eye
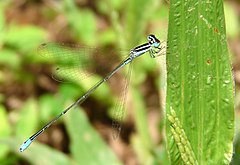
(151,38)
(156,44)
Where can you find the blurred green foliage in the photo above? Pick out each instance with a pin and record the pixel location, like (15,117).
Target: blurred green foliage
(29,99)
(101,24)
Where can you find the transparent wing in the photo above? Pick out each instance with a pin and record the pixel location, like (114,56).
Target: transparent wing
(72,60)
(119,108)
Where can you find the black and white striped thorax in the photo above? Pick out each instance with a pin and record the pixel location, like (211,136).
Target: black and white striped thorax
(153,43)
(139,50)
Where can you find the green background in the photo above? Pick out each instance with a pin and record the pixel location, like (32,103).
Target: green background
(29,97)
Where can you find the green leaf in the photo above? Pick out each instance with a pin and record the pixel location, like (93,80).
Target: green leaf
(40,154)
(106,7)
(24,38)
(101,94)
(27,119)
(200,104)
(9,58)
(232,28)
(142,141)
(86,145)
(136,15)
(2,22)
(82,22)
(4,127)
(5,130)
(50,107)
(107,37)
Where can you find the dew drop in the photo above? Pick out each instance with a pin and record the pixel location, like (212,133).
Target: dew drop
(227,81)
(230,124)
(209,80)
(193,77)
(226,100)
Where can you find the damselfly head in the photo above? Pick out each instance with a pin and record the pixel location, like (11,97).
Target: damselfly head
(153,41)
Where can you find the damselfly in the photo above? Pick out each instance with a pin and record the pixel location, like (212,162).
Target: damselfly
(153,46)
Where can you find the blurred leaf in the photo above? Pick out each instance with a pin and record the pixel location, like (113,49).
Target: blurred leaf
(200,104)
(50,107)
(107,37)
(232,28)
(108,6)
(9,58)
(116,4)
(2,24)
(42,155)
(82,22)
(236,152)
(39,154)
(161,155)
(103,7)
(142,142)
(236,149)
(86,145)
(28,118)
(160,19)
(70,91)
(102,93)
(136,15)
(142,66)
(5,130)
(24,38)
(5,126)
(161,14)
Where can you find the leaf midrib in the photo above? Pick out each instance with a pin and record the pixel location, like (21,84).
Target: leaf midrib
(200,86)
